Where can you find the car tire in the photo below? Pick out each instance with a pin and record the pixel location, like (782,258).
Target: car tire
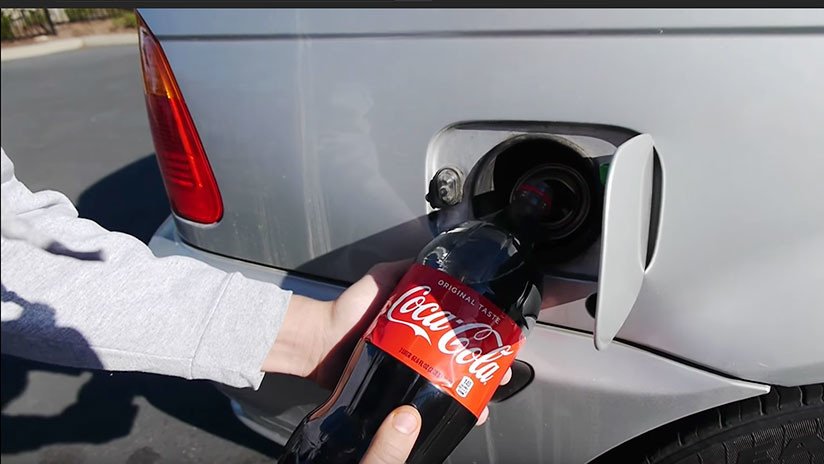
(785,425)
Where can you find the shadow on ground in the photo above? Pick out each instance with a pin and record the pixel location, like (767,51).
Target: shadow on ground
(104,409)
(130,200)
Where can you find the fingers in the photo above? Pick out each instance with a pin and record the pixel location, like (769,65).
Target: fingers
(507,377)
(484,416)
(389,273)
(395,438)
(485,413)
(378,282)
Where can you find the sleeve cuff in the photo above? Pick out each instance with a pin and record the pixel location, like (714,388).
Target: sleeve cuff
(240,332)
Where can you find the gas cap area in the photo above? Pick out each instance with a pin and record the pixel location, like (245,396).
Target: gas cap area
(563,166)
(445,188)
(567,171)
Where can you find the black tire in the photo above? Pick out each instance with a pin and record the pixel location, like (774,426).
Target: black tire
(784,426)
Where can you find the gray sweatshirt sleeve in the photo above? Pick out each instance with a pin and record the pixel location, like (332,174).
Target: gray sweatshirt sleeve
(76,294)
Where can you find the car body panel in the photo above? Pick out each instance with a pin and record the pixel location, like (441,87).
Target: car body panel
(286,23)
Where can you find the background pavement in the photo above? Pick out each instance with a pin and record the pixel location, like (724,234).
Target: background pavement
(75,122)
(62,45)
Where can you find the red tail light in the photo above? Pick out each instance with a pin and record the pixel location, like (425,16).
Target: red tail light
(189,180)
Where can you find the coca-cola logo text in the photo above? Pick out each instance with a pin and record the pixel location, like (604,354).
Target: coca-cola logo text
(457,338)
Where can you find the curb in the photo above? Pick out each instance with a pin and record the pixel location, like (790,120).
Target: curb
(64,45)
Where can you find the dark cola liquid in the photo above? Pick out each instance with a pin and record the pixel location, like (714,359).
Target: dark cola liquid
(486,258)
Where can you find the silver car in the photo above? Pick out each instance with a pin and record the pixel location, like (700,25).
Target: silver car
(682,317)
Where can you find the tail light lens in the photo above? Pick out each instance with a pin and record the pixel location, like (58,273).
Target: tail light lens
(189,180)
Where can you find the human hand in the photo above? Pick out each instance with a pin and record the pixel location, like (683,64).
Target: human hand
(395,437)
(317,337)
(350,316)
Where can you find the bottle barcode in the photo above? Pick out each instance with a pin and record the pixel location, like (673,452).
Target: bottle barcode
(464,387)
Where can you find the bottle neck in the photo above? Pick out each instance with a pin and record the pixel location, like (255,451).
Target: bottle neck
(530,202)
(522,223)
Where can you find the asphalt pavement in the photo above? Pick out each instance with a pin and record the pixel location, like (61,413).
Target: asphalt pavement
(75,122)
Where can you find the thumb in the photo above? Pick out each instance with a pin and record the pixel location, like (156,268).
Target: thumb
(394,440)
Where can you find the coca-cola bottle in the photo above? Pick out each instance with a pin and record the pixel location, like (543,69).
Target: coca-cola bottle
(442,342)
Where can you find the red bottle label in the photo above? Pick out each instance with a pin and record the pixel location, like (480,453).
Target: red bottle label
(449,334)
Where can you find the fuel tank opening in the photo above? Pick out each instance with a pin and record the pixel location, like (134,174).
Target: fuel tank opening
(575,220)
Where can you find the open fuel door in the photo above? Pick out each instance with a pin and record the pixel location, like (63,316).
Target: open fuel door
(627,207)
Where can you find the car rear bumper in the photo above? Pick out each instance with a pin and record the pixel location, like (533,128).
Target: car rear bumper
(167,242)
